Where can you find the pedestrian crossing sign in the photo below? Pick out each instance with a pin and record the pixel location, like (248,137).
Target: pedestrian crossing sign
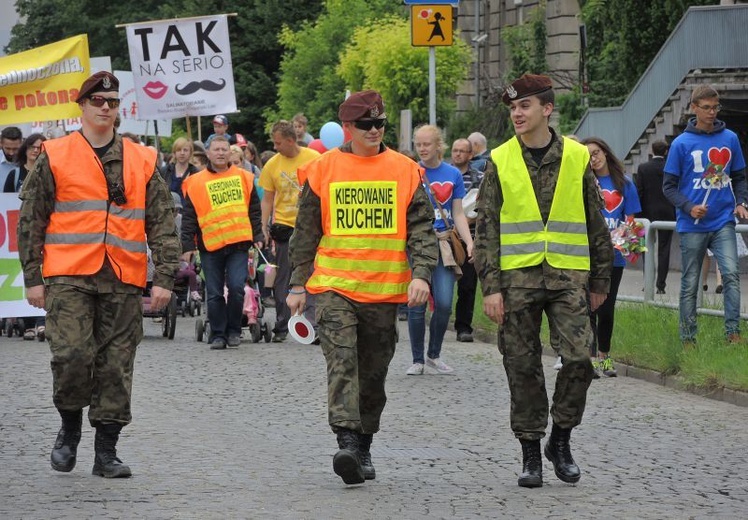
(431,25)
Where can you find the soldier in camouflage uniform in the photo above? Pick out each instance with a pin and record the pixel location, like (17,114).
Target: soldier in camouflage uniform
(91,252)
(528,266)
(359,272)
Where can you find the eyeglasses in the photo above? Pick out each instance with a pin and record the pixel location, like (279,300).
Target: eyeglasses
(98,101)
(710,108)
(596,153)
(369,124)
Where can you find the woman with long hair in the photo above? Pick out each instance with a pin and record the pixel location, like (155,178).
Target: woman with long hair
(253,157)
(621,202)
(24,159)
(445,188)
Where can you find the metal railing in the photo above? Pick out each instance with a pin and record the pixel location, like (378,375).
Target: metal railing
(650,229)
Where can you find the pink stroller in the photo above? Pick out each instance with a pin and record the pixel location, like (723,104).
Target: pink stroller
(254,311)
(253,318)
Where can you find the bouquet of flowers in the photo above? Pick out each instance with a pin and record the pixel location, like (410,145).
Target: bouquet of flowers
(628,238)
(713,175)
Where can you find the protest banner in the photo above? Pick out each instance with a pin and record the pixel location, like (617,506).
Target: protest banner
(182,67)
(12,293)
(42,83)
(131,118)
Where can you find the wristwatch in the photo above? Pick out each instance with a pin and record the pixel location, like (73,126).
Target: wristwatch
(745,205)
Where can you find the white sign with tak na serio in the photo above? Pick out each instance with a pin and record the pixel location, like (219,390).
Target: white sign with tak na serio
(182,67)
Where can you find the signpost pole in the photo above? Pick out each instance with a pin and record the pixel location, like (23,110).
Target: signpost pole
(432,85)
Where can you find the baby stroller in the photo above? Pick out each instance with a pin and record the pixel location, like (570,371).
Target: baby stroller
(254,310)
(168,314)
(253,319)
(186,303)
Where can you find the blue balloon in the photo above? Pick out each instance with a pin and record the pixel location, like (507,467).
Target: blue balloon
(331,134)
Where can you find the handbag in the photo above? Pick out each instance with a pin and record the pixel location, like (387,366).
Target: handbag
(457,250)
(454,237)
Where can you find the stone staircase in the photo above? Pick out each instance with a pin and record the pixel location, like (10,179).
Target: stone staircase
(673,116)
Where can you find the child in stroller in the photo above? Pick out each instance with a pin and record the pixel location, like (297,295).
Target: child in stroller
(254,310)
(187,287)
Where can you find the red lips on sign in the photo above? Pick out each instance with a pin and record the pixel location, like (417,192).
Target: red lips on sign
(613,199)
(720,156)
(443,191)
(155,89)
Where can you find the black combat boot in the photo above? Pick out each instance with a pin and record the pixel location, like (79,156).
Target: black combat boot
(106,463)
(364,455)
(532,465)
(346,462)
(66,446)
(558,451)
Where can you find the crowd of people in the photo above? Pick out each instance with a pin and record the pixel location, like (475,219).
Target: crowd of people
(359,236)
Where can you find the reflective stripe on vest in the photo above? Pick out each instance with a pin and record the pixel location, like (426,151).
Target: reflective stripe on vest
(364,202)
(525,240)
(221,202)
(84,227)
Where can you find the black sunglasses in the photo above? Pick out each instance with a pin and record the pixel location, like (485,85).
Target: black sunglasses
(369,124)
(98,101)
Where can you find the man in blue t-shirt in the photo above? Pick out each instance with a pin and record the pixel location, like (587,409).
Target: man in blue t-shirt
(705,181)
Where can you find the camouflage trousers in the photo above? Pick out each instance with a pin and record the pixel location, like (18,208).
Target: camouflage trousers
(358,341)
(519,344)
(93,338)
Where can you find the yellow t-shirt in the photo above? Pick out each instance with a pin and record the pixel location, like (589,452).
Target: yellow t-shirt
(279,175)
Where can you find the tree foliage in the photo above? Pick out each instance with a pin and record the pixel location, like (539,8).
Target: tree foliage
(380,56)
(623,37)
(255,48)
(527,44)
(308,80)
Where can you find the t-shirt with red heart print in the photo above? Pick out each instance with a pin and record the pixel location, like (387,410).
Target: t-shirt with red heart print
(692,156)
(446,182)
(617,206)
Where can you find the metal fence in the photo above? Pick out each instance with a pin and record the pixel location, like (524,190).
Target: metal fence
(649,270)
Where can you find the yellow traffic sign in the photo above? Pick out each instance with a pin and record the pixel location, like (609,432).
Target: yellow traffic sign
(431,25)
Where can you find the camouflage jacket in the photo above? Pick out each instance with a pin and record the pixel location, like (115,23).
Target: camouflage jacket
(543,276)
(38,203)
(422,243)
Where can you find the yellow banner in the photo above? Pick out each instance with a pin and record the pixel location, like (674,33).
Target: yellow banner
(42,84)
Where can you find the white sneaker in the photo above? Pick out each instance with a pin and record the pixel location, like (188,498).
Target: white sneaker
(559,364)
(415,370)
(439,365)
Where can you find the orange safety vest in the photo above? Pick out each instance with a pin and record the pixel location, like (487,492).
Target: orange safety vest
(221,201)
(364,204)
(85,227)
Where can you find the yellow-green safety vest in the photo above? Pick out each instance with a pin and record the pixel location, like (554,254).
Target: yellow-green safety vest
(525,240)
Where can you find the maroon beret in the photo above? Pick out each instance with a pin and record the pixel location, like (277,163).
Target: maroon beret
(366,104)
(102,81)
(527,85)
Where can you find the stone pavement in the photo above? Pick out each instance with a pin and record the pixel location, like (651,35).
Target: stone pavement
(242,433)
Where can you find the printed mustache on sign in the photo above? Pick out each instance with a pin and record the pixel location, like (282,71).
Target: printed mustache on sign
(194,86)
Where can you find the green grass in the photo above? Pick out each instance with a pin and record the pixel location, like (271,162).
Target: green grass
(646,336)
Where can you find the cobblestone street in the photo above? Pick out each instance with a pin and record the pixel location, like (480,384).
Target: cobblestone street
(243,433)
